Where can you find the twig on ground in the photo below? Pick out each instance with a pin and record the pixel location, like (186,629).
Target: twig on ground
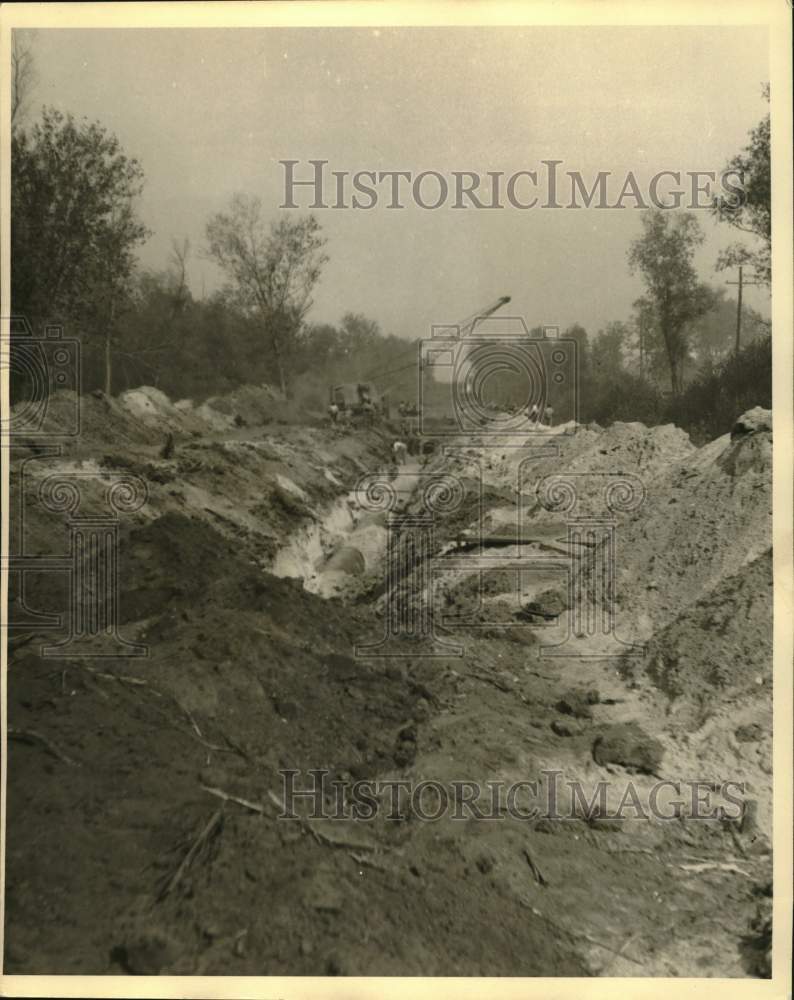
(712,866)
(192,735)
(582,935)
(539,876)
(364,859)
(18,642)
(190,719)
(495,681)
(323,838)
(618,953)
(31,736)
(211,829)
(256,807)
(631,850)
(737,841)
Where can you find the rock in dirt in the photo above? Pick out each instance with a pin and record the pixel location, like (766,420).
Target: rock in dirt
(751,733)
(146,955)
(564,727)
(578,703)
(405,753)
(550,604)
(756,946)
(630,746)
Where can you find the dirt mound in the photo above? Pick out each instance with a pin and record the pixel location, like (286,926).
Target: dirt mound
(721,647)
(246,673)
(248,406)
(512,468)
(631,448)
(714,665)
(757,419)
(705,518)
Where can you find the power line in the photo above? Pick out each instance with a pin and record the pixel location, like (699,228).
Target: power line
(741,283)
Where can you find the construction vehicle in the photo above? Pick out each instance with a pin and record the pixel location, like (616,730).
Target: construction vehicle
(465,326)
(359,400)
(352,398)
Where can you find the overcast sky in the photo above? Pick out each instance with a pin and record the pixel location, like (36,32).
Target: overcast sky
(211,112)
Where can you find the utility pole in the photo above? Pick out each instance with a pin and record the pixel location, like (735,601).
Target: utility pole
(741,283)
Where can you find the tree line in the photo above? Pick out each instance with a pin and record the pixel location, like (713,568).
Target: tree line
(75,234)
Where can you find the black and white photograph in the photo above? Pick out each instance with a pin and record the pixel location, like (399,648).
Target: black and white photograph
(397,499)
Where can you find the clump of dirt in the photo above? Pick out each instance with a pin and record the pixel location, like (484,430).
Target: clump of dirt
(578,703)
(547,605)
(630,746)
(757,944)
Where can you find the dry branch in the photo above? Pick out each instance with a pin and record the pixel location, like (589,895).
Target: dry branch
(33,737)
(199,845)
(539,876)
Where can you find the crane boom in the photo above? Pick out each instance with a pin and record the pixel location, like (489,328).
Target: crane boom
(466,325)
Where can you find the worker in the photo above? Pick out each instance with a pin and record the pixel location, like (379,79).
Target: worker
(400,450)
(532,413)
(333,413)
(549,416)
(369,412)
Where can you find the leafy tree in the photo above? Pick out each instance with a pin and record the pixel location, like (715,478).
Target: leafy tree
(73,224)
(647,338)
(272,270)
(712,334)
(753,212)
(578,333)
(663,254)
(719,394)
(606,351)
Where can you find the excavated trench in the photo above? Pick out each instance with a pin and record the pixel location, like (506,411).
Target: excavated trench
(348,543)
(589,714)
(251,672)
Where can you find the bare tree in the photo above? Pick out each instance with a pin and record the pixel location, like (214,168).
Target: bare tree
(23,75)
(272,269)
(180,252)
